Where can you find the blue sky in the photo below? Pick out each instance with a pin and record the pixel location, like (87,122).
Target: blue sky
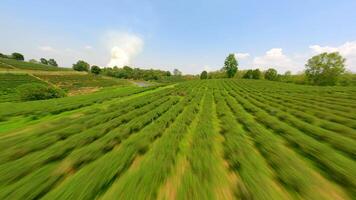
(188,35)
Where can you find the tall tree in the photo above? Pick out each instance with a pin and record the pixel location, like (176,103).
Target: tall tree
(204,75)
(230,65)
(325,68)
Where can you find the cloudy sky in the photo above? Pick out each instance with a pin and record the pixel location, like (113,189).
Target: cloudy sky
(191,35)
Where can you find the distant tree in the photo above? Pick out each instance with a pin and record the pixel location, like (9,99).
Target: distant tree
(52,62)
(168,73)
(95,70)
(256,74)
(325,68)
(81,66)
(17,56)
(252,74)
(44,61)
(230,65)
(33,61)
(176,72)
(271,74)
(248,74)
(204,75)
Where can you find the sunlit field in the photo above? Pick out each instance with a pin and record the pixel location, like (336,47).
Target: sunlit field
(212,139)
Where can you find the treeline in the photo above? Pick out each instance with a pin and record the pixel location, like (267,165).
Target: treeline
(21,57)
(127,72)
(325,69)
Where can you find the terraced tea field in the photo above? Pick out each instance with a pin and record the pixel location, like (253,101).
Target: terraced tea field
(212,139)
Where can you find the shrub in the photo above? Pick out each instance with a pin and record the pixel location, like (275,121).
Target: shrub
(37,91)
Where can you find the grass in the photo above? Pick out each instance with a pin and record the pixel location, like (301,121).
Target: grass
(24,65)
(211,139)
(78,83)
(10,82)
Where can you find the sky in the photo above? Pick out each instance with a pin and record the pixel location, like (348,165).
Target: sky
(190,35)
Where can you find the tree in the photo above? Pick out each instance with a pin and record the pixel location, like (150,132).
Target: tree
(230,65)
(325,68)
(176,72)
(52,62)
(248,74)
(44,61)
(17,56)
(256,74)
(271,74)
(95,70)
(252,74)
(81,66)
(204,75)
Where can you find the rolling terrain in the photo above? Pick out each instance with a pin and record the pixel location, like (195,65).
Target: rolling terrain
(206,139)
(15,73)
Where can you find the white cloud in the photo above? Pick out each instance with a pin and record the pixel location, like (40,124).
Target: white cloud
(277,59)
(347,50)
(46,48)
(242,55)
(124,47)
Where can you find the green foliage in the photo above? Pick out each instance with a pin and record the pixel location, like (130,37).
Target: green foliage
(252,74)
(81,66)
(325,68)
(204,75)
(217,74)
(44,61)
(95,70)
(230,65)
(141,74)
(9,83)
(271,74)
(35,91)
(234,139)
(17,56)
(52,62)
(31,66)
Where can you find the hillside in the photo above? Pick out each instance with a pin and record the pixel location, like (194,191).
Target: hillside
(210,139)
(15,73)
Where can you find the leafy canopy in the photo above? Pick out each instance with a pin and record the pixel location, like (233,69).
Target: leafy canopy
(271,74)
(325,68)
(230,65)
(81,66)
(204,75)
(95,70)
